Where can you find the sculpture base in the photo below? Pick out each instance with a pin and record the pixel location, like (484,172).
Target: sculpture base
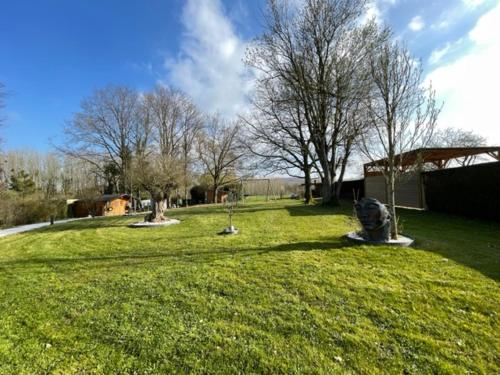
(230,230)
(147,224)
(402,241)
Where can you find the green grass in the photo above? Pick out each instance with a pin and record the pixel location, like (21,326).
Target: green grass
(286,295)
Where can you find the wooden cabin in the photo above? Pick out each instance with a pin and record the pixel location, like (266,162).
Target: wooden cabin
(105,205)
(221,196)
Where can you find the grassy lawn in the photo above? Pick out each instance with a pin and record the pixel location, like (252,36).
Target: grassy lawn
(286,295)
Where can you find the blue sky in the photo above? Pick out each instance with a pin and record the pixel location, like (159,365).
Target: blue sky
(53,53)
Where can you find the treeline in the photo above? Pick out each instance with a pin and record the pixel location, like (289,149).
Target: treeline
(34,186)
(51,174)
(155,145)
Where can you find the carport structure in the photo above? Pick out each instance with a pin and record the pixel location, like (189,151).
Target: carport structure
(409,188)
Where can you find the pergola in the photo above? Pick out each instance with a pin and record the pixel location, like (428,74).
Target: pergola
(439,157)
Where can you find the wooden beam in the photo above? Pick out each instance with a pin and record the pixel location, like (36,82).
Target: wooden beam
(494,155)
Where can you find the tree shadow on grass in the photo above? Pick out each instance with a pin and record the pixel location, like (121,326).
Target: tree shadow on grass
(96,223)
(472,243)
(252,209)
(57,264)
(318,210)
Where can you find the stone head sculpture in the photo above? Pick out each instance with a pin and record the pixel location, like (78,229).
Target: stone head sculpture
(374,218)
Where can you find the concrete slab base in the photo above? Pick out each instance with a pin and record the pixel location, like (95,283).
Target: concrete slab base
(230,230)
(402,241)
(146,224)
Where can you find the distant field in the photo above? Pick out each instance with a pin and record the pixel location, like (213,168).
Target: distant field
(286,295)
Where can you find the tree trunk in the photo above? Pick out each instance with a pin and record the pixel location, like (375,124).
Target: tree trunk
(158,207)
(338,188)
(307,186)
(326,189)
(392,201)
(216,190)
(392,178)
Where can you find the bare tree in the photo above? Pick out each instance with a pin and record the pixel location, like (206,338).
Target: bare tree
(349,141)
(102,132)
(170,122)
(402,114)
(190,123)
(454,137)
(175,121)
(79,176)
(2,102)
(278,135)
(219,151)
(317,53)
(3,176)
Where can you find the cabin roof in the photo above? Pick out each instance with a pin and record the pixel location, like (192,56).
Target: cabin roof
(111,197)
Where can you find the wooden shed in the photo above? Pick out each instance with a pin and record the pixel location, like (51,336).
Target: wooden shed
(410,188)
(221,196)
(105,205)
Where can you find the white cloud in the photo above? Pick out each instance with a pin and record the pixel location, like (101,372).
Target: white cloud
(457,13)
(209,66)
(375,9)
(473,3)
(439,53)
(447,50)
(469,85)
(416,23)
(372,11)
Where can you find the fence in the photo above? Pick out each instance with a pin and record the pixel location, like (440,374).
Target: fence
(349,188)
(472,191)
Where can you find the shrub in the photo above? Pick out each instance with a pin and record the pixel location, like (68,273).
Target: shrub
(16,209)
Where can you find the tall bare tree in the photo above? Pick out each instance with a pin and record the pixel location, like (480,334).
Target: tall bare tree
(278,136)
(219,151)
(2,102)
(170,122)
(316,52)
(175,122)
(102,132)
(190,124)
(356,127)
(3,176)
(402,114)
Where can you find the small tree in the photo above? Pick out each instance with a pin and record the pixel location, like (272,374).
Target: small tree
(219,151)
(401,112)
(22,183)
